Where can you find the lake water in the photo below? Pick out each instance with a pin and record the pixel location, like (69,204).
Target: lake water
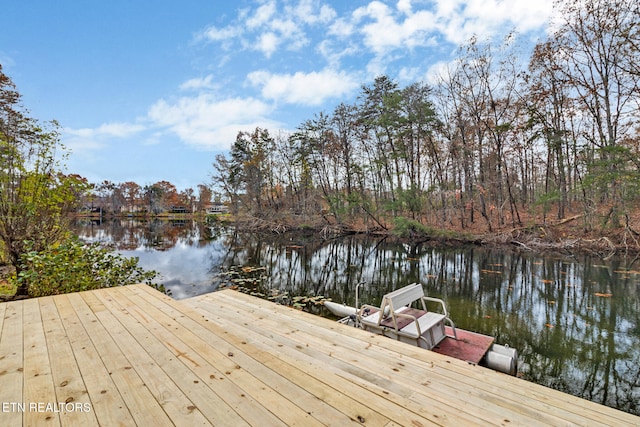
(574,320)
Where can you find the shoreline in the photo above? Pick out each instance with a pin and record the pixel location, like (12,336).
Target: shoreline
(558,237)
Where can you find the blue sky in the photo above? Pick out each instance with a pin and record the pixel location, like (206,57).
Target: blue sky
(150,91)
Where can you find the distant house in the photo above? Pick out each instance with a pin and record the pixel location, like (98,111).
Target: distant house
(178,209)
(89,211)
(217,208)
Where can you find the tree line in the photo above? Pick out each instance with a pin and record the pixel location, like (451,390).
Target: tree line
(131,197)
(493,140)
(489,143)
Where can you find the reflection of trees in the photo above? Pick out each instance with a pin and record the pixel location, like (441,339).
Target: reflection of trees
(569,319)
(128,234)
(570,334)
(575,323)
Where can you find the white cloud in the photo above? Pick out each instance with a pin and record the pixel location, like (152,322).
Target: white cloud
(385,28)
(383,32)
(209,123)
(334,52)
(262,15)
(459,20)
(378,27)
(268,43)
(437,71)
(198,83)
(528,15)
(107,130)
(311,12)
(279,33)
(392,32)
(378,34)
(220,34)
(409,74)
(83,146)
(268,28)
(312,88)
(86,143)
(404,6)
(342,28)
(153,139)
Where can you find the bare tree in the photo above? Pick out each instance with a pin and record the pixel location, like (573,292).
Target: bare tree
(595,46)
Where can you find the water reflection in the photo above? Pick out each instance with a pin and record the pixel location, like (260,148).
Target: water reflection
(575,321)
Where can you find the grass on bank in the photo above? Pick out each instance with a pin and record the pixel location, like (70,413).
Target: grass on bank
(7,285)
(410,228)
(6,289)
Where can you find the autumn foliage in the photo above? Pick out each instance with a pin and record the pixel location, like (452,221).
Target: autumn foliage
(536,151)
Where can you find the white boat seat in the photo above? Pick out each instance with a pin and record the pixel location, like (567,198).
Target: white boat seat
(425,322)
(397,319)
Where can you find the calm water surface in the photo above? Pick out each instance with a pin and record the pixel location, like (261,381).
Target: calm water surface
(574,320)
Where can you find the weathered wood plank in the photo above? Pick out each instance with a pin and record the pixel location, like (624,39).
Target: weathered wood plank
(39,392)
(519,395)
(379,400)
(11,365)
(359,361)
(386,369)
(179,362)
(161,385)
(135,393)
(138,357)
(67,379)
(522,393)
(236,366)
(107,404)
(286,379)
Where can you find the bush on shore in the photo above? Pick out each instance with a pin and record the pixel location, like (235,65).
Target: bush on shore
(73,266)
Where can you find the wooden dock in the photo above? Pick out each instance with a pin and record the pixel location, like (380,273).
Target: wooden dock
(132,356)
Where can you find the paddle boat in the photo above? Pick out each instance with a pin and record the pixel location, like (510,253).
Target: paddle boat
(397,318)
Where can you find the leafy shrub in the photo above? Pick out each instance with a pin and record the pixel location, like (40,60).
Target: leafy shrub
(410,228)
(74,266)
(405,227)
